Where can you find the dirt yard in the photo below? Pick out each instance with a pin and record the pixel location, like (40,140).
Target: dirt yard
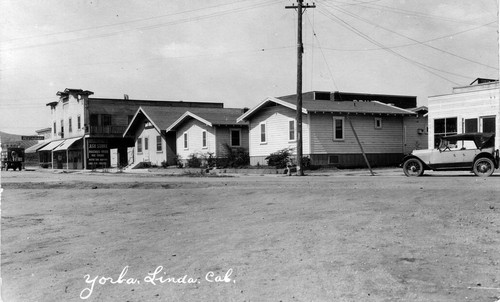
(340,236)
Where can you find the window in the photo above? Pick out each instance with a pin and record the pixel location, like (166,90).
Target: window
(79,122)
(470,125)
(333,159)
(263,132)
(62,128)
(55,128)
(488,124)
(146,143)
(443,127)
(106,120)
(204,139)
(185,140)
(70,126)
(378,123)
(235,137)
(139,145)
(338,128)
(94,120)
(291,130)
(158,143)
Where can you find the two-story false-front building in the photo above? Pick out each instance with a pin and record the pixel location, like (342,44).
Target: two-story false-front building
(85,130)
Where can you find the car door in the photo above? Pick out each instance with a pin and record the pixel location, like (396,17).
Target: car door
(446,159)
(469,152)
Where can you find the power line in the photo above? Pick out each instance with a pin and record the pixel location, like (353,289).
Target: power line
(414,13)
(414,40)
(126,22)
(371,40)
(104,35)
(421,42)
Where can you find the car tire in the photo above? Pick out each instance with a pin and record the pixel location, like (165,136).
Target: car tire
(413,167)
(483,167)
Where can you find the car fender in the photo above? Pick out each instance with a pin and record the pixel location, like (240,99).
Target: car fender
(407,157)
(490,156)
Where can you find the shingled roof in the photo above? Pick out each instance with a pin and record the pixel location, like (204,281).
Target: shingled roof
(321,106)
(210,117)
(164,117)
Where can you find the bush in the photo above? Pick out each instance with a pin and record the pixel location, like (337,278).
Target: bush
(280,159)
(193,161)
(209,160)
(164,164)
(236,157)
(178,161)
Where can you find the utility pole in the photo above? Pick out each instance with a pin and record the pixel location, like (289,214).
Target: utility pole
(300,50)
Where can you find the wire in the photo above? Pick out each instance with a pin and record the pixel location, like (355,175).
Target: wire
(426,41)
(324,57)
(371,40)
(189,19)
(414,40)
(126,22)
(414,13)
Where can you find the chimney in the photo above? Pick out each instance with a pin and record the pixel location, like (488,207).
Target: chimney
(245,109)
(125,96)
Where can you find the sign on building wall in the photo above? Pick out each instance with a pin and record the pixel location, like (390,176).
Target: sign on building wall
(32,138)
(97,153)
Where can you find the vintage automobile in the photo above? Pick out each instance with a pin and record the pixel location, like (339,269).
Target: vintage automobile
(473,152)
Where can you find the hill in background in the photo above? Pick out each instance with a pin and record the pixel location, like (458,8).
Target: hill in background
(15,140)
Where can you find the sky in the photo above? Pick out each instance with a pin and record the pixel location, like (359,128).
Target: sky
(236,52)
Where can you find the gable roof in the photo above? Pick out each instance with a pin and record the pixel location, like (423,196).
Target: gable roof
(160,117)
(343,107)
(163,117)
(211,117)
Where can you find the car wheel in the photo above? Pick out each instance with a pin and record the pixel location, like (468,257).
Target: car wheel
(413,167)
(483,167)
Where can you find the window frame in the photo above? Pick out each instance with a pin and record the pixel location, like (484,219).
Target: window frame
(139,145)
(146,143)
(159,144)
(185,142)
(342,120)
(263,133)
(231,137)
(70,125)
(204,143)
(438,135)
(378,120)
(290,129)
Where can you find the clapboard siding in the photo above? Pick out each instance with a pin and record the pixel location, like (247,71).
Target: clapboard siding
(222,137)
(465,105)
(276,119)
(389,139)
(194,129)
(150,155)
(357,160)
(415,134)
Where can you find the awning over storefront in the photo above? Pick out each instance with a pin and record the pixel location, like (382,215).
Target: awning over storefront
(51,146)
(66,144)
(35,148)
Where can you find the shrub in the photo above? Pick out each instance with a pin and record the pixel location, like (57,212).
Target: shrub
(164,164)
(193,161)
(235,157)
(280,159)
(178,161)
(209,160)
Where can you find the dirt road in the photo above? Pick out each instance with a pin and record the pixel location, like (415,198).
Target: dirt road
(333,237)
